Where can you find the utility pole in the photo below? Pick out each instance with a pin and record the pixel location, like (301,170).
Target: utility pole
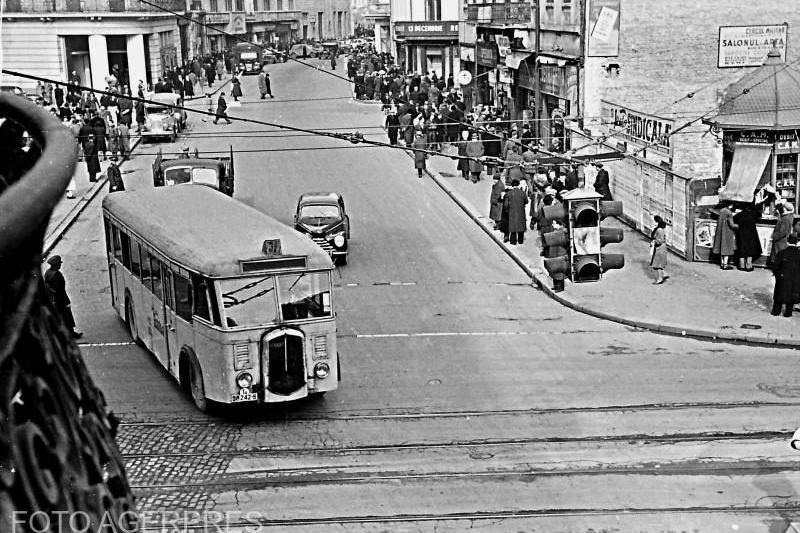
(537,94)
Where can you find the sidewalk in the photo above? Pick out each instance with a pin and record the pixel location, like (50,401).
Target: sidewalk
(68,209)
(698,300)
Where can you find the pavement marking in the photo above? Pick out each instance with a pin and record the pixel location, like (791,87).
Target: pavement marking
(103,344)
(444,334)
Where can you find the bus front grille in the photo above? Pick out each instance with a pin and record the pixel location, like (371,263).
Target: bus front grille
(286,369)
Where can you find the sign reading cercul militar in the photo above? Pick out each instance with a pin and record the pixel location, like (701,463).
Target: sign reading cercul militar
(748,46)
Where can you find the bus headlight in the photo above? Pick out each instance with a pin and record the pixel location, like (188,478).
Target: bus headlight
(321,370)
(338,240)
(244,380)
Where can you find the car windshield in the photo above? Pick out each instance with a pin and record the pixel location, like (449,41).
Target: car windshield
(249,301)
(205,176)
(157,109)
(174,176)
(304,295)
(319,214)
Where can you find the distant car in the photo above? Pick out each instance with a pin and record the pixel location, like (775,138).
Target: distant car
(297,51)
(322,216)
(270,57)
(163,118)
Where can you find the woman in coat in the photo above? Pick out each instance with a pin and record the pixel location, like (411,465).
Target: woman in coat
(420,155)
(90,156)
(496,201)
(748,245)
(515,201)
(236,91)
(475,151)
(658,250)
(725,236)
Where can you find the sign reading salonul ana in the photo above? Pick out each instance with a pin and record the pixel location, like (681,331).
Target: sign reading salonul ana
(748,46)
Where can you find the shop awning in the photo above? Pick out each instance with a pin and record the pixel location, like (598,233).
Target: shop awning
(513,59)
(748,164)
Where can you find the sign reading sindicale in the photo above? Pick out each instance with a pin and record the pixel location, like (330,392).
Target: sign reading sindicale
(748,46)
(639,128)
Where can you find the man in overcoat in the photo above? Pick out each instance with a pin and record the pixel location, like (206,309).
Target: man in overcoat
(786,268)
(222,109)
(115,183)
(496,200)
(515,201)
(57,289)
(782,229)
(602,183)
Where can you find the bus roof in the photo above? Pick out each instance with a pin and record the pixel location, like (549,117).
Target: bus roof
(207,231)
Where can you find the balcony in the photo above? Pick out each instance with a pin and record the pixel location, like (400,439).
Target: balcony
(518,13)
(90,6)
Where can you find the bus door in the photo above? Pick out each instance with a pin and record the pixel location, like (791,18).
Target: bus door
(157,308)
(180,317)
(115,270)
(170,331)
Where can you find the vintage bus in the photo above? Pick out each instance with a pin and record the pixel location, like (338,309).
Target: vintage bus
(248,57)
(234,304)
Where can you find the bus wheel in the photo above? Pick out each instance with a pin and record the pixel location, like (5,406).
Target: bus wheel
(130,320)
(195,382)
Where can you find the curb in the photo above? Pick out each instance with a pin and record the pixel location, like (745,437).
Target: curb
(542,281)
(72,215)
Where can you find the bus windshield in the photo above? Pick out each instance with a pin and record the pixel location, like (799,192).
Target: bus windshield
(249,301)
(304,295)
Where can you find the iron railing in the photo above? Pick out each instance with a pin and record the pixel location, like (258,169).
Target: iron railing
(58,457)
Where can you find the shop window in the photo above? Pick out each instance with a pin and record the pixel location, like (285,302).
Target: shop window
(183,297)
(786,177)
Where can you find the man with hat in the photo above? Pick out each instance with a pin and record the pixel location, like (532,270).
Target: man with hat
(56,287)
(184,152)
(786,268)
(264,85)
(115,183)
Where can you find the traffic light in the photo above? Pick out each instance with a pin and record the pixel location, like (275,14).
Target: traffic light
(582,237)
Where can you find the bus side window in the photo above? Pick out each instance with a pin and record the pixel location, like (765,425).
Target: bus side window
(183,297)
(126,250)
(117,245)
(136,261)
(201,298)
(155,274)
(109,235)
(212,295)
(147,275)
(168,295)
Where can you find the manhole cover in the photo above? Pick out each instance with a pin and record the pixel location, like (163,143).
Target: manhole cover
(750,326)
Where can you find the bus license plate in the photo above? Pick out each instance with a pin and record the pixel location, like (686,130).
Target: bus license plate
(244,396)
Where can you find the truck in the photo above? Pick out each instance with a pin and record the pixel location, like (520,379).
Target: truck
(247,57)
(214,171)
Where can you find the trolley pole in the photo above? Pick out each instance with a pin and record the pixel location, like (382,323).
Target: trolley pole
(537,94)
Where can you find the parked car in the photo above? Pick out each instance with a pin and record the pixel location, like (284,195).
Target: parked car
(297,51)
(164,116)
(322,216)
(270,57)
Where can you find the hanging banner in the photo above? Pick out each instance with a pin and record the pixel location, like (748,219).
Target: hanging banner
(748,46)
(604,28)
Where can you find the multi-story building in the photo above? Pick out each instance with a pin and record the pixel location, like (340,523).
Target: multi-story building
(425,35)
(377,16)
(94,38)
(273,21)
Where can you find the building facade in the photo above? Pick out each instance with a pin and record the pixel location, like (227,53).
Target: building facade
(377,16)
(425,35)
(132,40)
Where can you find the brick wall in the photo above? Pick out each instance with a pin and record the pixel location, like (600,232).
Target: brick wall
(668,48)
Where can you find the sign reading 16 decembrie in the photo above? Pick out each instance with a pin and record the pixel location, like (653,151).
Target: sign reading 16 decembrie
(748,46)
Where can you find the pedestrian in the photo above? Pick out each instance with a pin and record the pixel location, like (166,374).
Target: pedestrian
(333,62)
(392,126)
(515,200)
(786,269)
(124,141)
(571,178)
(602,183)
(236,91)
(140,113)
(782,229)
(658,250)
(513,164)
(188,87)
(748,244)
(57,289)
(222,109)
(475,151)
(496,200)
(264,85)
(98,125)
(725,236)
(463,158)
(91,158)
(210,75)
(420,155)
(113,140)
(220,68)
(115,183)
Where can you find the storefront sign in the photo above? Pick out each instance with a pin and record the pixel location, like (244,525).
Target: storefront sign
(432,29)
(751,137)
(553,80)
(639,127)
(504,75)
(218,18)
(487,55)
(503,45)
(748,46)
(526,76)
(787,143)
(604,28)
